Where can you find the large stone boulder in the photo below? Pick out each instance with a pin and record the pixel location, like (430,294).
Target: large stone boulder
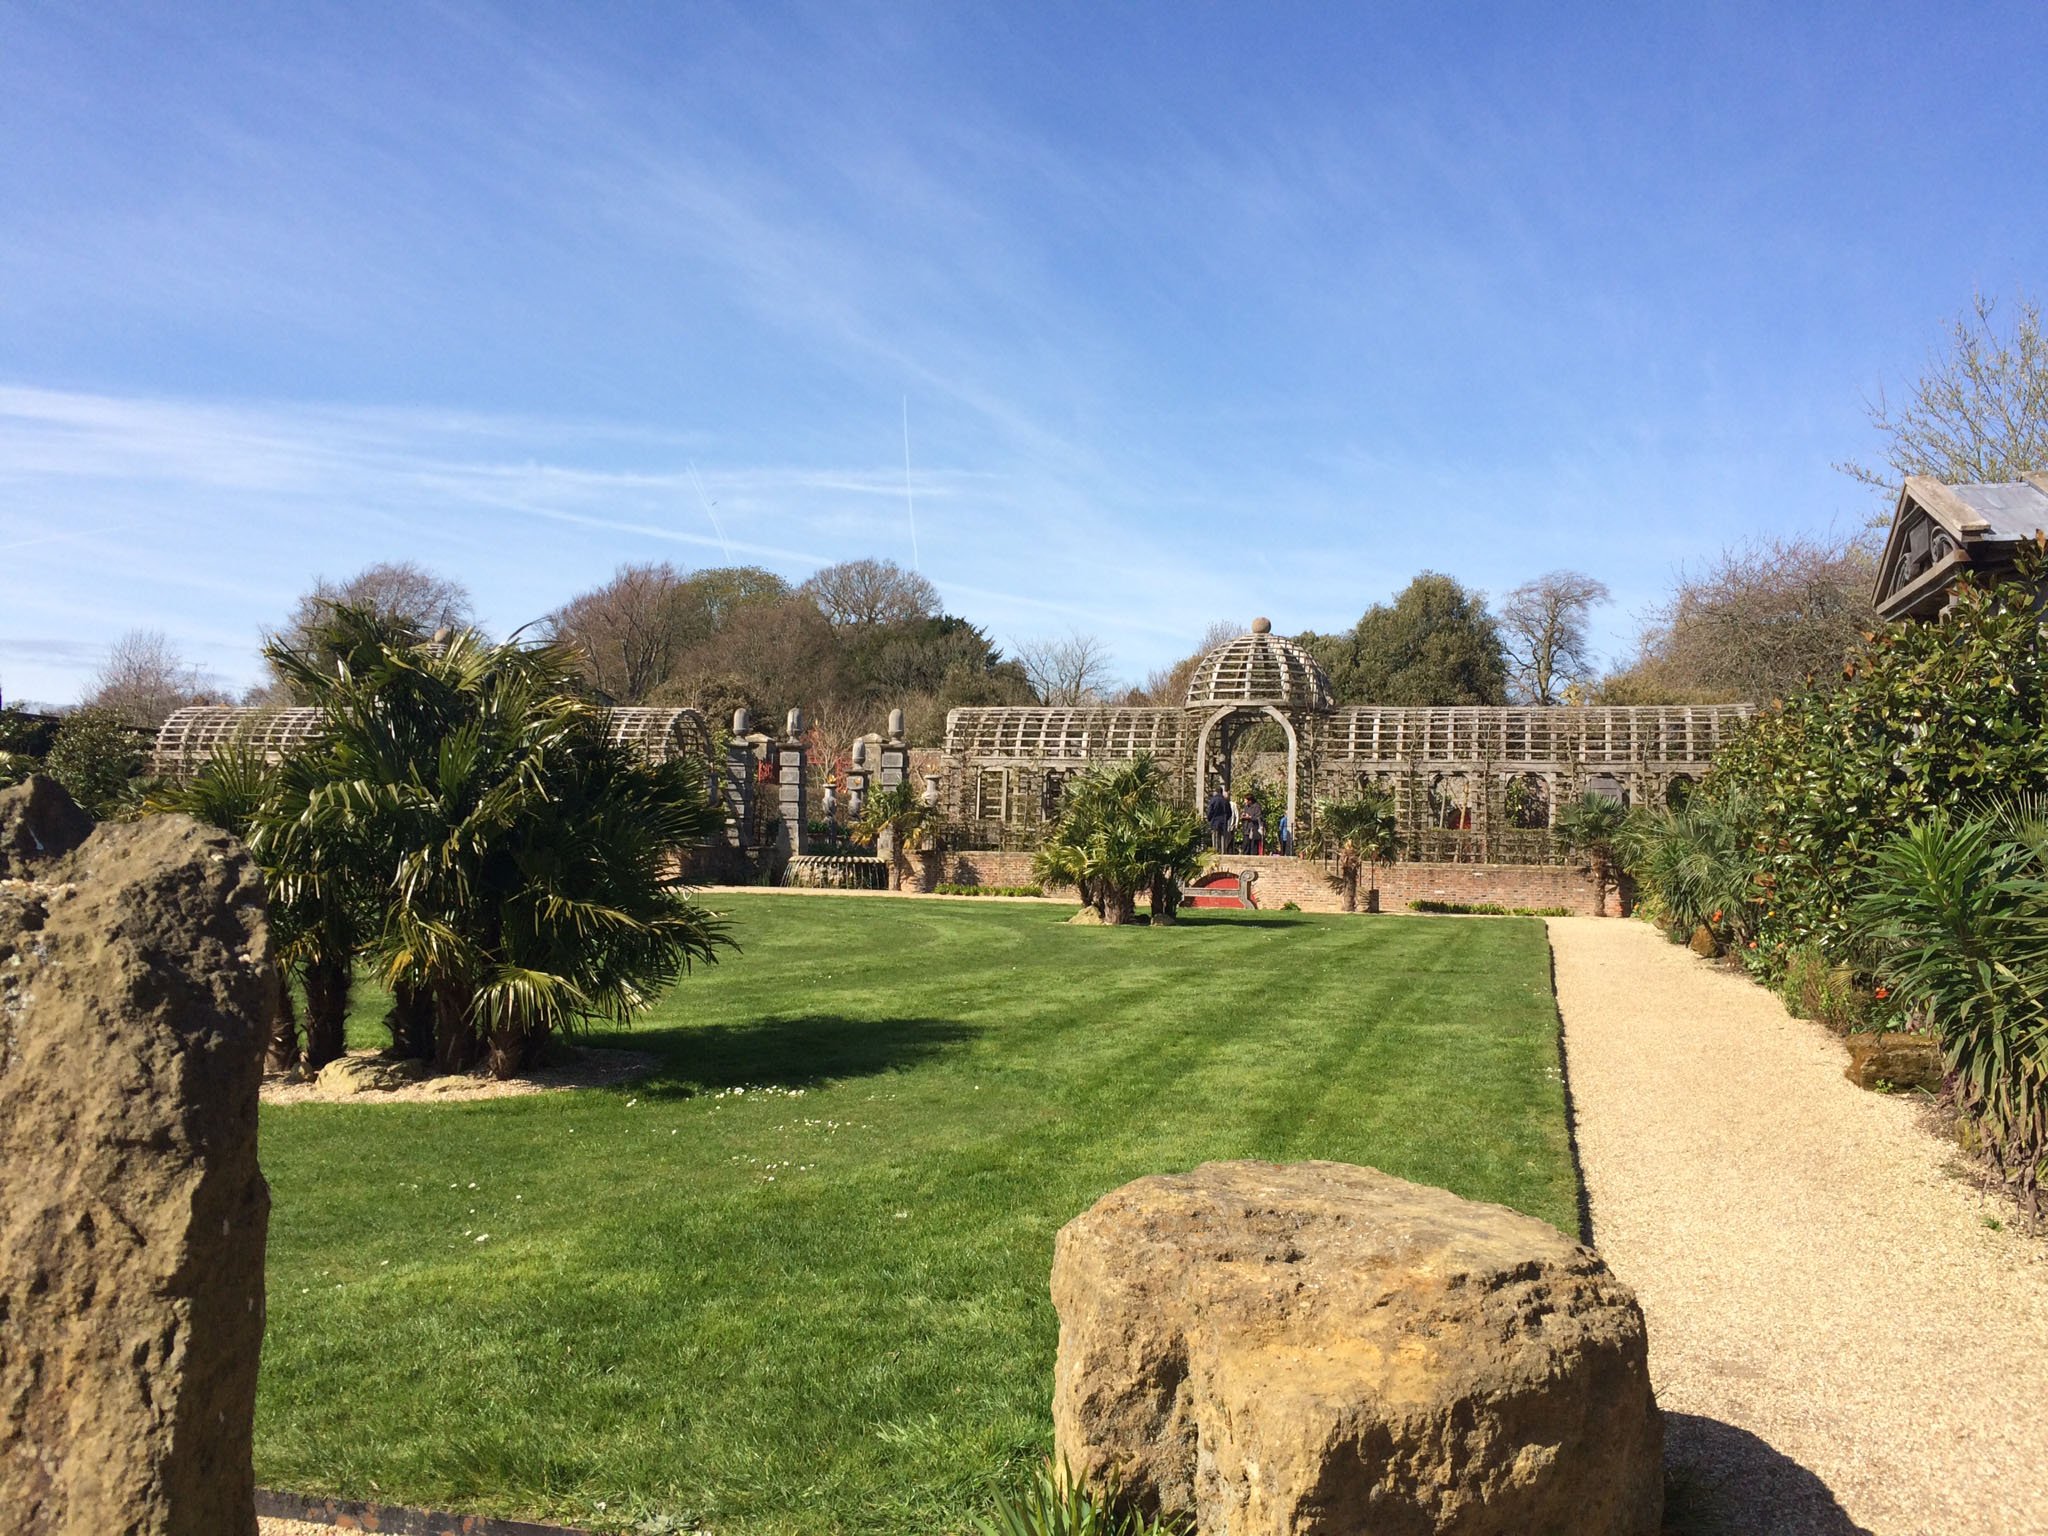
(1323,1350)
(135,983)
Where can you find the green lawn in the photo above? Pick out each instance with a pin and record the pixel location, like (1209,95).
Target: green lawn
(820,1305)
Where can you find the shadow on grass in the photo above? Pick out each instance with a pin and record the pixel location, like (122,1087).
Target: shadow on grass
(801,1051)
(1218,919)
(1724,1481)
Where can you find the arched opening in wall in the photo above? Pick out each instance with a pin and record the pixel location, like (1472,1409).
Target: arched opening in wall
(1679,791)
(1607,787)
(1526,801)
(1450,801)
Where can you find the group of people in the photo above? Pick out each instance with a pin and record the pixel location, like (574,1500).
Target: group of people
(1240,827)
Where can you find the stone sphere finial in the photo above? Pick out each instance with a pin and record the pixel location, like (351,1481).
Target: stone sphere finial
(1262,626)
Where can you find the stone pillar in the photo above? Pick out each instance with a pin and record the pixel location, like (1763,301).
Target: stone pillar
(895,764)
(859,775)
(790,787)
(736,783)
(138,989)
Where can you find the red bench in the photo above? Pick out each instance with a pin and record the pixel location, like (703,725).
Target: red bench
(1223,888)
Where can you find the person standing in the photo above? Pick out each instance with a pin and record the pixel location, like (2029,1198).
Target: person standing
(1219,815)
(1251,821)
(1286,831)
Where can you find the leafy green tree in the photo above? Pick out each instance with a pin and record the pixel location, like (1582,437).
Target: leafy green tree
(98,758)
(1361,831)
(1436,643)
(1923,718)
(1120,832)
(1593,825)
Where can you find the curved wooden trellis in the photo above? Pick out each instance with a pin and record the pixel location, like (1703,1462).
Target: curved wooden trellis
(191,736)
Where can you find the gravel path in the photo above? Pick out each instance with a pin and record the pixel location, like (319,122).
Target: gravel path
(1840,1338)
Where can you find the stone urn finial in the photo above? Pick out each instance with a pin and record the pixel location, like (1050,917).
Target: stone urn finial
(931,790)
(795,723)
(895,725)
(742,722)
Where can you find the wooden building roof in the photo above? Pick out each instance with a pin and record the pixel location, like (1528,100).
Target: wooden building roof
(1939,532)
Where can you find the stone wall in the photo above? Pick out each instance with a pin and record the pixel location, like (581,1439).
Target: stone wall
(1312,885)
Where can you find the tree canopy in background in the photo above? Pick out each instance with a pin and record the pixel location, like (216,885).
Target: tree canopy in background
(1436,643)
(1761,621)
(861,593)
(408,601)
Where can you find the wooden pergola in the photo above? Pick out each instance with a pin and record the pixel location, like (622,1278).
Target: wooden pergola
(1469,783)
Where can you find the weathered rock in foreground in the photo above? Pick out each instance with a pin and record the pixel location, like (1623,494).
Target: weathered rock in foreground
(1893,1059)
(1323,1350)
(135,983)
(347,1077)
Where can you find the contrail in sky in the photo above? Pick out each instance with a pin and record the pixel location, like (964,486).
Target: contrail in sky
(715,528)
(909,503)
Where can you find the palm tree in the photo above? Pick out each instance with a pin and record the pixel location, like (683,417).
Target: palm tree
(1593,825)
(1362,831)
(521,866)
(898,812)
(1119,833)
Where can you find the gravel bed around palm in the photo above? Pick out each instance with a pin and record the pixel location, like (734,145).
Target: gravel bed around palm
(1845,1332)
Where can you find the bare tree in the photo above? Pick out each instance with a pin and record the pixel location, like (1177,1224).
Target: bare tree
(1762,621)
(408,598)
(630,631)
(864,592)
(1979,413)
(397,590)
(144,681)
(1069,670)
(1543,623)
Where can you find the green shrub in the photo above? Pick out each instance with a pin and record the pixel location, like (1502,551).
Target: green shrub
(1814,987)
(1926,717)
(952,888)
(1056,1505)
(98,757)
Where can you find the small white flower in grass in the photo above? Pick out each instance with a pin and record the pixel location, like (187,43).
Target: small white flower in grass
(472,1183)
(902,1215)
(483,1237)
(631,1102)
(383,1263)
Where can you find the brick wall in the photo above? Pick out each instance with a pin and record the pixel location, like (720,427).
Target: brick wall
(1313,885)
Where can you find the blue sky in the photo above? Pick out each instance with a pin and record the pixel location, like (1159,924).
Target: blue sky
(1198,311)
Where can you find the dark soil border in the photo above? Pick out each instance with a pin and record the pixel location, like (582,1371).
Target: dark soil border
(357,1515)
